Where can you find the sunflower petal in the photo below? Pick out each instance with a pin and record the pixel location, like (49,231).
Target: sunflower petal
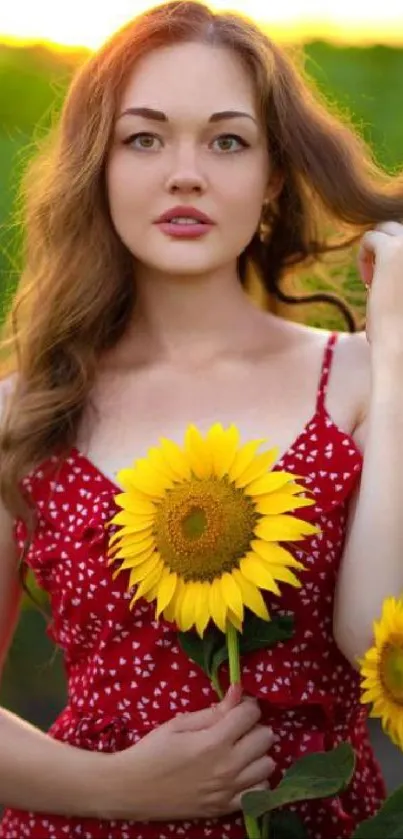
(135,503)
(218,606)
(147,584)
(243,458)
(251,595)
(284,528)
(259,572)
(261,464)
(141,572)
(233,618)
(270,483)
(198,453)
(232,595)
(281,503)
(274,554)
(166,591)
(187,611)
(225,451)
(176,459)
(202,612)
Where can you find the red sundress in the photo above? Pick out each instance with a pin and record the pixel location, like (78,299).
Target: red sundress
(127,674)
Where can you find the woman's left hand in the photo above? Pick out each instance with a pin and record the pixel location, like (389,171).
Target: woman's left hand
(380,262)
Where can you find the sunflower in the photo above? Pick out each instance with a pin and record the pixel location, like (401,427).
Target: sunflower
(382,671)
(201,525)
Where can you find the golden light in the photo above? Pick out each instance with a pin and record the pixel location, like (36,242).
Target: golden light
(89,23)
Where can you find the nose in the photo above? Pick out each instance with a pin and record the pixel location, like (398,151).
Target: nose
(185,175)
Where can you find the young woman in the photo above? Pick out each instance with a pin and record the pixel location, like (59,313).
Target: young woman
(147,322)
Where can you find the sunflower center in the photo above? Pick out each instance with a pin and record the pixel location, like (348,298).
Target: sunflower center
(194,524)
(204,528)
(392,671)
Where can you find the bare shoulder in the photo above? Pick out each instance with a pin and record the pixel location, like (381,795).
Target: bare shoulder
(354,358)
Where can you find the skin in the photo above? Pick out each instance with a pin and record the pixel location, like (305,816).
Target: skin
(195,333)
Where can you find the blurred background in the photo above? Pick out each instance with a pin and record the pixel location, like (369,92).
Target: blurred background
(355,56)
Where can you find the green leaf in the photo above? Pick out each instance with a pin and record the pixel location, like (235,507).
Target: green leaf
(318,775)
(286,826)
(387,823)
(260,634)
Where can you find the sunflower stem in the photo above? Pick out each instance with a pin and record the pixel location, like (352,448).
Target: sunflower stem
(233,654)
(252,827)
(232,638)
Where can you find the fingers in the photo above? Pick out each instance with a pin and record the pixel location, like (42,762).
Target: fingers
(253,746)
(257,773)
(238,721)
(236,802)
(392,228)
(199,720)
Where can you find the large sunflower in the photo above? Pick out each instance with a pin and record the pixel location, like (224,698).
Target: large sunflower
(201,525)
(382,671)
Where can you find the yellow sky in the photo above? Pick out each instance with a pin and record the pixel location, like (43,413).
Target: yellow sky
(89,22)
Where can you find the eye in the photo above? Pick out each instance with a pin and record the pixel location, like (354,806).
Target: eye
(142,135)
(229,137)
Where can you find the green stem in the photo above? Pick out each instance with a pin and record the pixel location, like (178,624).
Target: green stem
(252,827)
(216,685)
(233,654)
(232,636)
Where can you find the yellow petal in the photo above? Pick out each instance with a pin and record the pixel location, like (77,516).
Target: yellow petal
(274,553)
(148,480)
(176,459)
(260,466)
(225,450)
(187,611)
(251,596)
(130,546)
(142,571)
(259,573)
(126,533)
(202,612)
(198,453)
(244,458)
(148,583)
(284,528)
(284,575)
(166,592)
(270,483)
(135,503)
(232,618)
(281,503)
(135,559)
(232,595)
(218,606)
(131,520)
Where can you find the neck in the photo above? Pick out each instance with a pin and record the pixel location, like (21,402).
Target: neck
(189,318)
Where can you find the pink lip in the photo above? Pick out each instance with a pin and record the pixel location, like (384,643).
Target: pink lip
(182,210)
(184,231)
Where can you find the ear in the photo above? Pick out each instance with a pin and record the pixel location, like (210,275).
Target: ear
(274,185)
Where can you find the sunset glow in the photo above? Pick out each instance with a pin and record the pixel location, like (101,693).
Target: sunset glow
(89,23)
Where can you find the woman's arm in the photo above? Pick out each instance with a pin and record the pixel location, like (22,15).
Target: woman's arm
(372,564)
(42,774)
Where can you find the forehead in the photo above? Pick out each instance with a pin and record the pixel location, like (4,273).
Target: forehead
(190,76)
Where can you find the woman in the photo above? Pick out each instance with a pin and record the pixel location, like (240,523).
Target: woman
(186,112)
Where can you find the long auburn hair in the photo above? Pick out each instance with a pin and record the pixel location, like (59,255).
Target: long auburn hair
(76,293)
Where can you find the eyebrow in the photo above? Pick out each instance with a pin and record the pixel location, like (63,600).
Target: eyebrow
(159,116)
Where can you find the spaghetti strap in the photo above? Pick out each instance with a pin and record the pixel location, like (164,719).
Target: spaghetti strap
(325,372)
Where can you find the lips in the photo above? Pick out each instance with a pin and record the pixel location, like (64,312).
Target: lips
(184,212)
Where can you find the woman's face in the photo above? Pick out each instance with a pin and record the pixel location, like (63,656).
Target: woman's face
(218,166)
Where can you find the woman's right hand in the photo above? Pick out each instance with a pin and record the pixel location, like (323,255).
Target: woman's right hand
(196,765)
